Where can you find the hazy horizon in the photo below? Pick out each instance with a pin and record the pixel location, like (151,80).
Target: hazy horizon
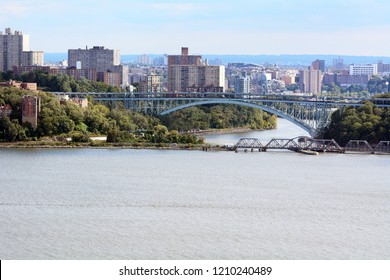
(283,59)
(354,28)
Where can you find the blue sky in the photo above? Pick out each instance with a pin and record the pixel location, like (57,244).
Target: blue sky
(344,27)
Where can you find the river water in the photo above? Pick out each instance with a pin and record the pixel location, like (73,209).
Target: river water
(153,204)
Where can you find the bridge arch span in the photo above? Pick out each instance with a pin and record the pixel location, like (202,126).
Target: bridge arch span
(280,114)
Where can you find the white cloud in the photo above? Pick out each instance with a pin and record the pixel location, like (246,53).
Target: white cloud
(13,9)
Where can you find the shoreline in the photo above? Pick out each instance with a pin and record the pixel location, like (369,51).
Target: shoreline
(104,145)
(99,144)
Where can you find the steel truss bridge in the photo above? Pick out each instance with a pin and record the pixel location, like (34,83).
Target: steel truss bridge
(308,112)
(303,143)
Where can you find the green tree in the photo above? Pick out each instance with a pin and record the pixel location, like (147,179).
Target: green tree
(160,133)
(11,130)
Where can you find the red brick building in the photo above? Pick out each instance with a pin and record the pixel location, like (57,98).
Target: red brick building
(31,107)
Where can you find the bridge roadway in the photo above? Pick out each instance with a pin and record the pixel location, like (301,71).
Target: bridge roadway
(311,113)
(304,143)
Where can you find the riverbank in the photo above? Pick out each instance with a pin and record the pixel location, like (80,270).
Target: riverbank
(105,145)
(99,142)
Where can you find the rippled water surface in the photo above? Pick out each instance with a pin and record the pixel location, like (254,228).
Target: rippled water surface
(149,204)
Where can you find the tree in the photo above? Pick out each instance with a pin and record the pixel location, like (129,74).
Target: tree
(160,133)
(12,130)
(96,120)
(7,76)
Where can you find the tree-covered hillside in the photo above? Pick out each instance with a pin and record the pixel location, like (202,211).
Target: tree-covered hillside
(218,117)
(367,122)
(66,119)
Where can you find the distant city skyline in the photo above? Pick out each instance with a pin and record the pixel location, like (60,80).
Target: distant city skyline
(222,27)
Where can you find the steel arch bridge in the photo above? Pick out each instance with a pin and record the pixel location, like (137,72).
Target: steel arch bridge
(272,110)
(308,112)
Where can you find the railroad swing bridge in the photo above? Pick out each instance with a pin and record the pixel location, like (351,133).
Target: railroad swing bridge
(304,143)
(310,113)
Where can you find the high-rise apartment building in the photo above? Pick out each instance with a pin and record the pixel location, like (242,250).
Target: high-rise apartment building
(97,58)
(318,65)
(382,67)
(196,78)
(242,84)
(32,58)
(174,63)
(12,46)
(15,51)
(310,81)
(184,58)
(187,73)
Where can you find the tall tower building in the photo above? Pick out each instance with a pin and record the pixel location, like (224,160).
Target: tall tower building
(318,65)
(174,63)
(310,81)
(12,46)
(97,58)
(187,73)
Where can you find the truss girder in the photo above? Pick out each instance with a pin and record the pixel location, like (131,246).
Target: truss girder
(249,143)
(383,147)
(358,146)
(325,145)
(295,144)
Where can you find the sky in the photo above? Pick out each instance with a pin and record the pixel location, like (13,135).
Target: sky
(343,27)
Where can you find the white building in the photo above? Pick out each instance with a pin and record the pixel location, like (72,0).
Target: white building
(265,83)
(32,58)
(243,83)
(367,69)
